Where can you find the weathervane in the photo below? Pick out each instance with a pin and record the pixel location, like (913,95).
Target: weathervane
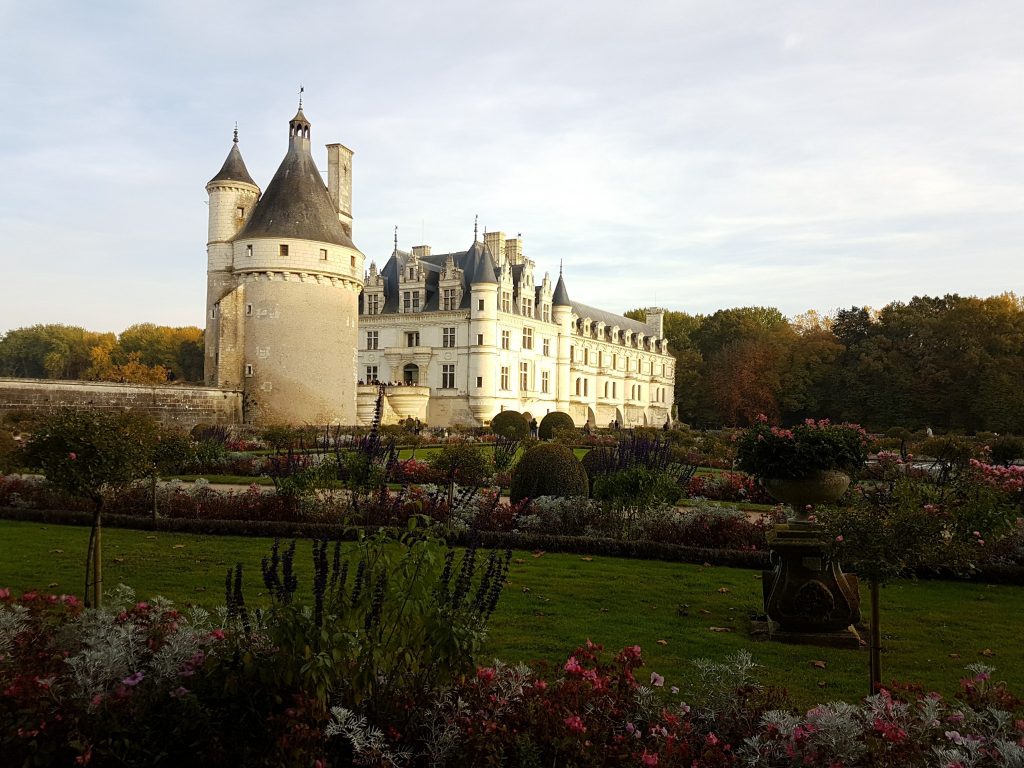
(236,132)
(396,239)
(301,89)
(476,217)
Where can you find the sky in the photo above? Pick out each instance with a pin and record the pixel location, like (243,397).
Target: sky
(693,155)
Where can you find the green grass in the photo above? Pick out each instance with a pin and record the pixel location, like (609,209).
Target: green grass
(555,602)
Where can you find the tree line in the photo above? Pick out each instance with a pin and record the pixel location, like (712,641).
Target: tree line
(950,363)
(142,354)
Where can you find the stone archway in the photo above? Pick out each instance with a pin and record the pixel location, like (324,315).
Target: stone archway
(591,417)
(411,375)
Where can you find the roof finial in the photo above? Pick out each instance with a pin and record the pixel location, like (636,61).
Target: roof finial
(396,238)
(301,89)
(236,132)
(476,218)
(559,267)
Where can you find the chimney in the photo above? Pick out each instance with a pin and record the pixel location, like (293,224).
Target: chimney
(514,250)
(339,182)
(421,250)
(495,242)
(655,320)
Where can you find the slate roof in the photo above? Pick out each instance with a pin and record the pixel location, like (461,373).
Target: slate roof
(560,298)
(296,204)
(610,318)
(233,169)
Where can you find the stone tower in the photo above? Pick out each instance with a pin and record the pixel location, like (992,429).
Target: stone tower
(284,287)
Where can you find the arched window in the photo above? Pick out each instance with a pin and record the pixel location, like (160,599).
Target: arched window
(579,387)
(585,388)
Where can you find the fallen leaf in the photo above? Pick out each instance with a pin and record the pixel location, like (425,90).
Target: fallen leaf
(539,614)
(707,565)
(758,576)
(525,590)
(56,551)
(200,589)
(662,642)
(818,664)
(151,537)
(987,652)
(587,559)
(720,629)
(519,561)
(954,655)
(538,553)
(724,590)
(604,610)
(822,683)
(705,612)
(118,559)
(52,584)
(178,546)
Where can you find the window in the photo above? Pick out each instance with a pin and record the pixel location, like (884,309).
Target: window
(479,381)
(240,212)
(615,362)
(448,376)
(282,250)
(479,339)
(480,305)
(506,339)
(524,377)
(545,381)
(248,251)
(506,301)
(351,260)
(527,338)
(547,347)
(213,310)
(373,304)
(547,313)
(527,307)
(248,309)
(371,374)
(373,339)
(447,337)
(411,301)
(504,377)
(572,354)
(248,370)
(323,254)
(412,339)
(585,387)
(586,356)
(448,299)
(579,386)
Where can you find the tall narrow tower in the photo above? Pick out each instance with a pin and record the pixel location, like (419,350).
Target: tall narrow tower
(233,194)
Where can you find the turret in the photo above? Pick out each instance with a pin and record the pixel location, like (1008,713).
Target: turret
(561,315)
(484,370)
(232,197)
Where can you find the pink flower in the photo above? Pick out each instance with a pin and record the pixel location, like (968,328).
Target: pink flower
(630,728)
(67,600)
(572,666)
(977,534)
(649,759)
(761,418)
(839,538)
(218,634)
(5,593)
(178,692)
(133,679)
(575,723)
(674,689)
(657,680)
(541,685)
(712,739)
(72,455)
(485,673)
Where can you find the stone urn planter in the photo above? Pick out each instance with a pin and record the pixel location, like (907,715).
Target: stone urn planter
(807,591)
(825,486)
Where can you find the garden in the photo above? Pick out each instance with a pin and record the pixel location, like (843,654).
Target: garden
(496,598)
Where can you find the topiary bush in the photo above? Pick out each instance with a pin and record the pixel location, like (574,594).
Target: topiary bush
(510,424)
(548,469)
(1007,449)
(551,422)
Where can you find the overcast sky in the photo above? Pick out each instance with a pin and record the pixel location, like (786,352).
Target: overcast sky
(697,155)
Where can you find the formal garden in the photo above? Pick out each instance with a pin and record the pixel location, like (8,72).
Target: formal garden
(408,596)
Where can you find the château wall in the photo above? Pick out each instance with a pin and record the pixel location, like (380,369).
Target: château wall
(182,406)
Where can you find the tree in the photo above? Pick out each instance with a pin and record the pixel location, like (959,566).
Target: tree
(84,453)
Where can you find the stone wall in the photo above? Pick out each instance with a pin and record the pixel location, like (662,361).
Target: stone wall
(181,406)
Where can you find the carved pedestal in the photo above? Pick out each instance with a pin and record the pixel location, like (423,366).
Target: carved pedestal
(807,591)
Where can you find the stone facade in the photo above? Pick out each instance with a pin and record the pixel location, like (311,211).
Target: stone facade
(179,406)
(482,335)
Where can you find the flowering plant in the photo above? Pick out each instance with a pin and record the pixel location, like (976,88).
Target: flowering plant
(769,451)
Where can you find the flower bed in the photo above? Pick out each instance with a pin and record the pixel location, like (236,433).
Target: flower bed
(141,682)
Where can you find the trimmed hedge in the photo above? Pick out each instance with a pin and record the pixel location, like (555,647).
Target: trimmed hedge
(510,424)
(548,469)
(554,421)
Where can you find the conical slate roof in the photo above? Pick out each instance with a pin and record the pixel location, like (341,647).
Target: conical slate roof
(479,264)
(296,204)
(560,298)
(234,168)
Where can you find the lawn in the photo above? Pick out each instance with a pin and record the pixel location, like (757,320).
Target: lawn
(553,602)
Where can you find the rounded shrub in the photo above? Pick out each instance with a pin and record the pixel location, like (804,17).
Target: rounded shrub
(551,422)
(548,469)
(510,424)
(1007,449)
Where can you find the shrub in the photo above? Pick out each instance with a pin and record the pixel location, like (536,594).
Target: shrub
(9,451)
(767,451)
(552,421)
(728,486)
(548,469)
(511,424)
(1006,450)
